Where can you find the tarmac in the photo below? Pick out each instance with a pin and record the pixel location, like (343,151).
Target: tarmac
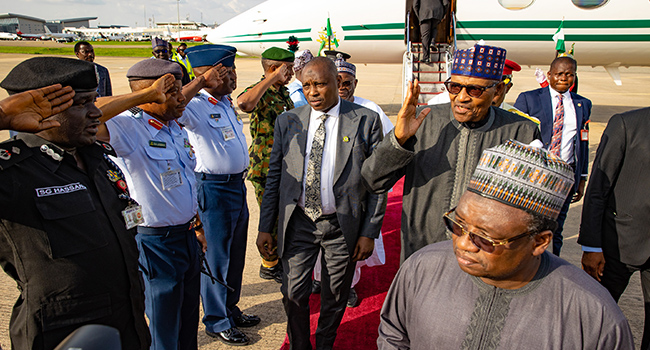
(382,84)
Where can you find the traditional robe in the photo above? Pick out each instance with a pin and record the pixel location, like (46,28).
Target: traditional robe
(438,162)
(433,304)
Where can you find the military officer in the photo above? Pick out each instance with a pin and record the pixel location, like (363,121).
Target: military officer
(156,155)
(63,236)
(265,101)
(217,133)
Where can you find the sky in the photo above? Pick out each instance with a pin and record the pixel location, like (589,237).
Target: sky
(130,12)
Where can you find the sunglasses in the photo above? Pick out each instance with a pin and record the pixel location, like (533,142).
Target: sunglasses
(481,242)
(472,90)
(160,51)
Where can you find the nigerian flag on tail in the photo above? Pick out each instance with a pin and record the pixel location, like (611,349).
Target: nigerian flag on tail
(558,37)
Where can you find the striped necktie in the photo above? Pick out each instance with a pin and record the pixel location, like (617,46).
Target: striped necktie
(558,126)
(313,207)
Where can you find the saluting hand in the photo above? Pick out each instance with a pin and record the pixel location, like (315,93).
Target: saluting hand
(282,73)
(214,76)
(407,123)
(29,111)
(161,86)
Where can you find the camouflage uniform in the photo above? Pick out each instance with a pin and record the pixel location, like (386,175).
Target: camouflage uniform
(262,120)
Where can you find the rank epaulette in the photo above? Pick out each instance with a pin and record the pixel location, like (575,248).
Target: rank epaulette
(12,152)
(108,149)
(135,111)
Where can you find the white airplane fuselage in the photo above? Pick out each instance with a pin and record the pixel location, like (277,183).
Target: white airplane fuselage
(372,31)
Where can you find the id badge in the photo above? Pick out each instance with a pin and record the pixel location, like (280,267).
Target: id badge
(132,216)
(171,179)
(584,135)
(228,133)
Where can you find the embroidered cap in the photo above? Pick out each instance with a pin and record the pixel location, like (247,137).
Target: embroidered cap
(524,177)
(211,55)
(302,57)
(479,61)
(345,67)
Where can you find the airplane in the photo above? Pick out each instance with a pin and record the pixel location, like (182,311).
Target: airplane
(8,36)
(31,36)
(606,33)
(60,37)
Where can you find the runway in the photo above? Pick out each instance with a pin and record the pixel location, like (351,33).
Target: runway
(380,83)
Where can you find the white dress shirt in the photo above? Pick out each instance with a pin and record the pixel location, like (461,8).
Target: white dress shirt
(328,203)
(570,124)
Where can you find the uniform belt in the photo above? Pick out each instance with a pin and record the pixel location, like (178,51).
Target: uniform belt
(165,229)
(224,177)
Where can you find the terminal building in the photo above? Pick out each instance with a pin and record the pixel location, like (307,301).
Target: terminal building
(12,23)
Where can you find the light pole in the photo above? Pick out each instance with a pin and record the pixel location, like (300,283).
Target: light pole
(178,14)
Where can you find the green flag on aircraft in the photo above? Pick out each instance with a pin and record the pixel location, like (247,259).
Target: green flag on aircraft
(558,37)
(331,39)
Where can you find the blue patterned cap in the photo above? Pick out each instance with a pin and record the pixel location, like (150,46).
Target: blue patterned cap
(524,177)
(158,42)
(211,55)
(343,66)
(479,61)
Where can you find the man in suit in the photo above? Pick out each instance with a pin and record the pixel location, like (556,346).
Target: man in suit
(315,191)
(613,231)
(563,116)
(429,13)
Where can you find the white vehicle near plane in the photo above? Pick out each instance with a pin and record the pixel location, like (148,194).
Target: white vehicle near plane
(8,36)
(605,32)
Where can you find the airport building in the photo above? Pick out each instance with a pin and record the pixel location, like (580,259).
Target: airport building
(57,25)
(12,23)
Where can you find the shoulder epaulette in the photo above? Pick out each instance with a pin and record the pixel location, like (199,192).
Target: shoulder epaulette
(12,152)
(108,149)
(135,111)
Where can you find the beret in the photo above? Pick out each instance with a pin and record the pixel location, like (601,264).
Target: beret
(39,72)
(510,67)
(211,55)
(278,54)
(154,68)
(158,42)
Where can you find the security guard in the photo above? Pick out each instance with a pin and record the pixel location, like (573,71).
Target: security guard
(216,132)
(181,58)
(158,160)
(265,101)
(63,236)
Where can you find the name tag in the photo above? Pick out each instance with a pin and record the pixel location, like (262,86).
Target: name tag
(157,144)
(133,216)
(171,179)
(215,116)
(584,135)
(228,133)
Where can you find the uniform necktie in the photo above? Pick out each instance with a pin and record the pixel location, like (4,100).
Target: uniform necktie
(558,126)
(313,207)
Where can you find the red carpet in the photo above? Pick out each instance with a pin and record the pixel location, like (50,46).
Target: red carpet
(358,330)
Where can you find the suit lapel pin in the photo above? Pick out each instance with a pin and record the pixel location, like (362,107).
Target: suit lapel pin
(346,139)
(579,104)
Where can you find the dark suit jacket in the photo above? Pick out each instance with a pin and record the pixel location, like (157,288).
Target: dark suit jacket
(427,9)
(359,212)
(537,103)
(617,201)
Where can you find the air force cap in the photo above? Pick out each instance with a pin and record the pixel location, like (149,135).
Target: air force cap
(154,68)
(39,72)
(211,55)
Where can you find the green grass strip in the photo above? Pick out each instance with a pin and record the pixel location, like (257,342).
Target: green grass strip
(99,51)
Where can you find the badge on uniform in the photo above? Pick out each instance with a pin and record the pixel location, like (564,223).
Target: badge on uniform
(133,216)
(213,100)
(215,116)
(228,133)
(346,139)
(113,176)
(157,144)
(238,116)
(584,135)
(155,123)
(4,154)
(171,179)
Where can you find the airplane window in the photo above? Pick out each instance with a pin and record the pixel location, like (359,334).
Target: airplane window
(516,4)
(589,4)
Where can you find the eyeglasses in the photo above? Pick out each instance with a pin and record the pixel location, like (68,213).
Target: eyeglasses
(160,51)
(481,242)
(472,90)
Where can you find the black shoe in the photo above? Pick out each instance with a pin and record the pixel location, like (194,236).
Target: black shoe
(232,336)
(315,287)
(246,320)
(353,298)
(271,273)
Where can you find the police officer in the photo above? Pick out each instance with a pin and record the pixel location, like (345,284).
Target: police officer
(265,101)
(63,237)
(156,155)
(216,132)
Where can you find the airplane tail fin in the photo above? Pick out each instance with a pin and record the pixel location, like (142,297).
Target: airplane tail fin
(19,32)
(47,30)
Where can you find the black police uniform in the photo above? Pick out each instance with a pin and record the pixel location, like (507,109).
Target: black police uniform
(64,241)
